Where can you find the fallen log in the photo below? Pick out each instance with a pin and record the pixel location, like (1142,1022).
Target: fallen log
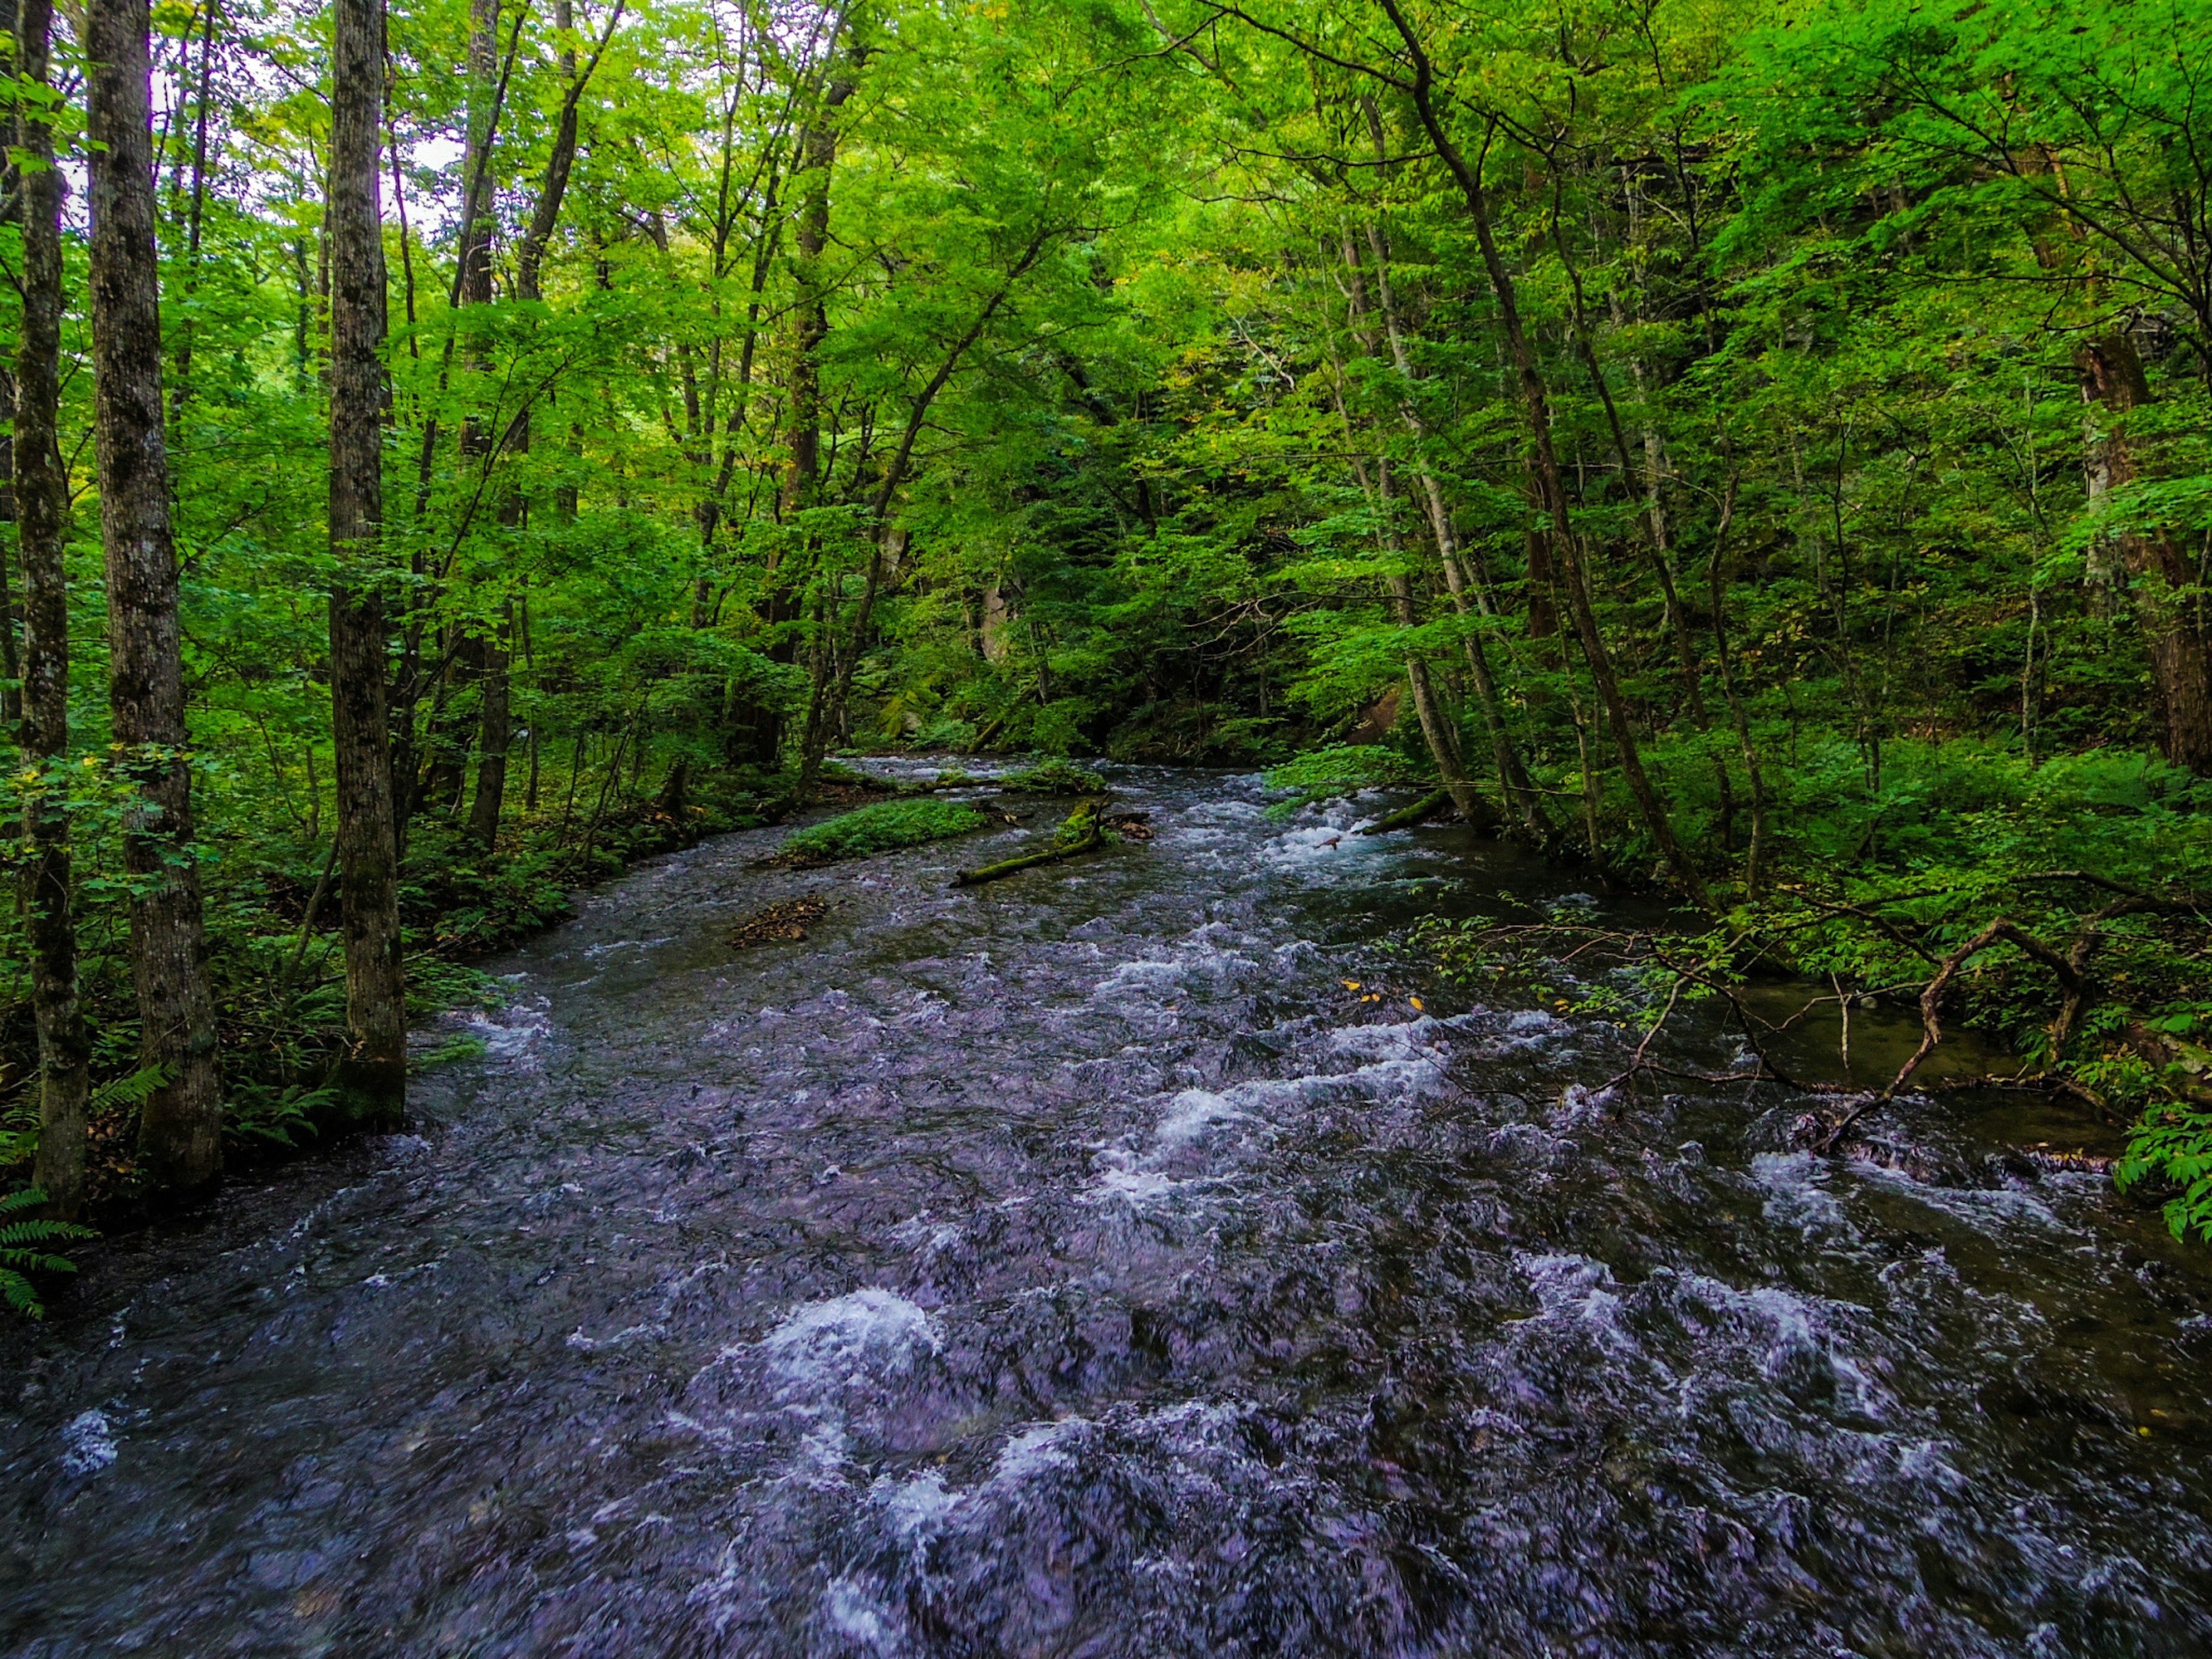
(1082,833)
(1406,817)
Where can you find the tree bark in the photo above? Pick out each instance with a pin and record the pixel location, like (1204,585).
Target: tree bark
(1437,730)
(495,718)
(180,1126)
(1552,485)
(373,1076)
(760,737)
(2159,581)
(495,730)
(42,509)
(195,213)
(1513,782)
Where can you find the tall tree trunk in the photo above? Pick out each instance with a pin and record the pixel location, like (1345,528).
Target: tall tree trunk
(2159,580)
(1513,782)
(42,507)
(802,479)
(1738,716)
(180,1126)
(373,1076)
(1437,730)
(195,213)
(826,712)
(495,720)
(473,272)
(1553,486)
(494,729)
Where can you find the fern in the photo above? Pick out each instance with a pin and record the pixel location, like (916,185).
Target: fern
(19,1126)
(21,1234)
(133,1091)
(264,1113)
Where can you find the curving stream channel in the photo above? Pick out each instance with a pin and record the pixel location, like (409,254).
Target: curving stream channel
(1076,1266)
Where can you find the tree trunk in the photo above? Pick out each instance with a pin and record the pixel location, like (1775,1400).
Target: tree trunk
(2159,580)
(1512,777)
(373,1076)
(180,1128)
(1552,485)
(496,724)
(763,733)
(827,712)
(195,213)
(42,509)
(495,732)
(473,271)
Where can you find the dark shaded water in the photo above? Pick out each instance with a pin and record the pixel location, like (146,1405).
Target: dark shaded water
(1076,1266)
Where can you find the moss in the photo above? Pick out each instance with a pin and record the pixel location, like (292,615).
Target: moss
(878,829)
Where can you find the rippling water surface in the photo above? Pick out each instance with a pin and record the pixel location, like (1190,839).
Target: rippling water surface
(1076,1266)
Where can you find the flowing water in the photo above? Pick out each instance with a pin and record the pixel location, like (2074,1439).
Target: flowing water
(1079,1266)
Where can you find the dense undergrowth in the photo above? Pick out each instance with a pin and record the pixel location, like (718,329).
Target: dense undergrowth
(277,966)
(2069,897)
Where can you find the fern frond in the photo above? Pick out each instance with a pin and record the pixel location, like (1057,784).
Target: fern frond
(17,1234)
(17,1290)
(31,1262)
(132,1091)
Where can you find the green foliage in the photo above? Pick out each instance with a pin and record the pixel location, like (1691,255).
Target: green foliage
(2173,1144)
(454,1049)
(878,829)
(1336,771)
(1055,777)
(23,1235)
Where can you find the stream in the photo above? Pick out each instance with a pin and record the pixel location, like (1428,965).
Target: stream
(1079,1266)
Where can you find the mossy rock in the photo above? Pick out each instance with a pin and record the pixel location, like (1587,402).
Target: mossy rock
(878,829)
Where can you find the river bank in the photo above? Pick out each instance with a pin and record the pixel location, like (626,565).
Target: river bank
(1080,1261)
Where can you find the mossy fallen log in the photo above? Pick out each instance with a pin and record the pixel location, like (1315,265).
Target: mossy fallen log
(1055,777)
(1406,817)
(1082,833)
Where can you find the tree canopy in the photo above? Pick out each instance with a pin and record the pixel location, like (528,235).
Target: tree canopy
(1738,443)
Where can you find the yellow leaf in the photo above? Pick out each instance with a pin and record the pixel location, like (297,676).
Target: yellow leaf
(1352,985)
(1416,1002)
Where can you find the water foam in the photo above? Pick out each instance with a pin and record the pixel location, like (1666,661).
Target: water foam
(849,1338)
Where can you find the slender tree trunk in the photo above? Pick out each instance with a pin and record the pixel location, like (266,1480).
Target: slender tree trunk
(1437,730)
(194,212)
(11,211)
(1552,484)
(2159,580)
(1715,579)
(1513,782)
(180,1126)
(11,698)
(42,508)
(826,713)
(802,480)
(373,1076)
(495,733)
(495,720)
